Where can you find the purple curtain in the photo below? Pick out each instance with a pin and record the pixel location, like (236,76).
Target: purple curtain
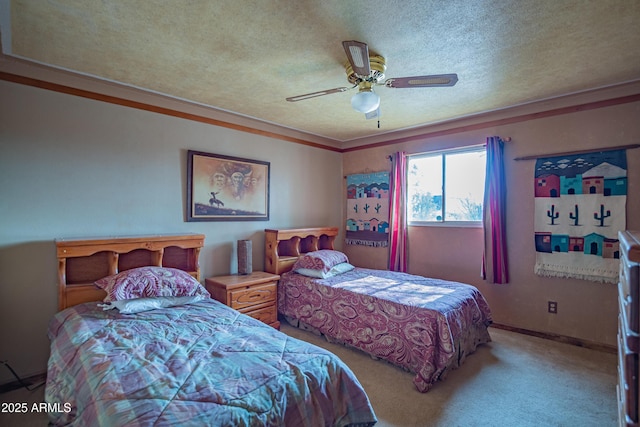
(494,259)
(397,213)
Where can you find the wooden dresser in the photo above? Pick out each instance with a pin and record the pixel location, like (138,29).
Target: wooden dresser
(253,294)
(629,330)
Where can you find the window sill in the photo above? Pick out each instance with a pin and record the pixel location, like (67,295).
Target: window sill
(450,224)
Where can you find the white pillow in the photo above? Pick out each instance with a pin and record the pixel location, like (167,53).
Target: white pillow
(319,274)
(137,305)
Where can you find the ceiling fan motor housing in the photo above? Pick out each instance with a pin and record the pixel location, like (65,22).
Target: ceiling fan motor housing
(378,67)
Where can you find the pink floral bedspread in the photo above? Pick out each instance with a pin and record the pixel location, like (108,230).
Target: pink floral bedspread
(425,326)
(202,364)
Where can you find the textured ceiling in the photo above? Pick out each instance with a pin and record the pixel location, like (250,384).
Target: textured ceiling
(246,57)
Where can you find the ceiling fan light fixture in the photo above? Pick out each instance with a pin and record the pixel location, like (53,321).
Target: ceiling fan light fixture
(365,101)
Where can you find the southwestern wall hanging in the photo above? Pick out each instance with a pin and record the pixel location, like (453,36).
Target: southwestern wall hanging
(223,188)
(580,205)
(368,209)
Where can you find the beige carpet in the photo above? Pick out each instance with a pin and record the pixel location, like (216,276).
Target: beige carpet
(515,381)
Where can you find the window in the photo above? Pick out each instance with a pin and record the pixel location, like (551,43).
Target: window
(446,186)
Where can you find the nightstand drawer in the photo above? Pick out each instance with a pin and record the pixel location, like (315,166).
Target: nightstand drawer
(253,294)
(241,298)
(267,315)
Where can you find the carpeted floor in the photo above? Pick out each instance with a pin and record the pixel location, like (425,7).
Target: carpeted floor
(515,381)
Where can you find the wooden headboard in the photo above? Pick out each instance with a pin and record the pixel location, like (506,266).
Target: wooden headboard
(284,247)
(83,261)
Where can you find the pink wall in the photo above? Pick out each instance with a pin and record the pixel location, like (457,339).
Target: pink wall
(586,310)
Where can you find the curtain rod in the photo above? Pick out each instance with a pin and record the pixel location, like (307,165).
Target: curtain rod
(569,153)
(507,139)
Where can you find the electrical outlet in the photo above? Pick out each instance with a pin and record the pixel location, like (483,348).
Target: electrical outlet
(553,307)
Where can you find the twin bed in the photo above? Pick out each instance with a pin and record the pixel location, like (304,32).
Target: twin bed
(422,325)
(169,355)
(138,341)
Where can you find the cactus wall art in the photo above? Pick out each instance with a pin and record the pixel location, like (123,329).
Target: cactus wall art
(579,208)
(368,209)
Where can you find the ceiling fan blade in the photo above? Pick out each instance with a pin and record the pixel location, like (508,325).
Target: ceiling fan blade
(315,94)
(435,80)
(358,55)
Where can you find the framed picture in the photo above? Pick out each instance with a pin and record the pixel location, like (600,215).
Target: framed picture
(223,188)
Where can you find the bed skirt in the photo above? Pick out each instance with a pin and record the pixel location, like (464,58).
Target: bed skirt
(465,344)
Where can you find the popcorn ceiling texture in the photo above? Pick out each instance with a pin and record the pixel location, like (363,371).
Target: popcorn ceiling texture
(248,56)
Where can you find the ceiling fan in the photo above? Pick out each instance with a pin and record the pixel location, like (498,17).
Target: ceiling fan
(365,71)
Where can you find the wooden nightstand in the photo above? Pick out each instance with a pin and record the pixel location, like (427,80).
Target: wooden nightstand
(254,294)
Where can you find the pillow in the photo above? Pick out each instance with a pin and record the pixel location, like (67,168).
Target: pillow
(150,282)
(138,305)
(343,267)
(322,260)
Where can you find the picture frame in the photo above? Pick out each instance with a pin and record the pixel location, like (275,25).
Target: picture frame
(226,188)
